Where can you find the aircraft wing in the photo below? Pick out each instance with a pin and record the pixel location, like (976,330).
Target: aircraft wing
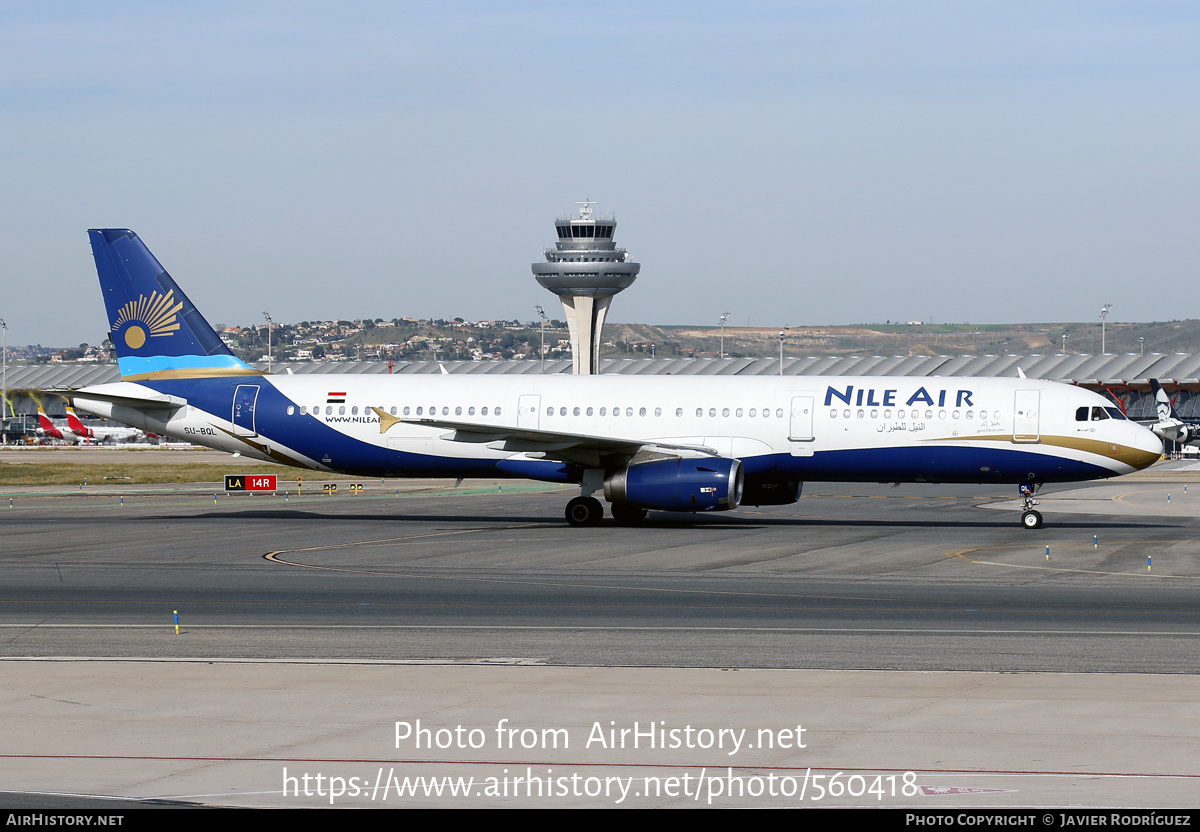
(571,447)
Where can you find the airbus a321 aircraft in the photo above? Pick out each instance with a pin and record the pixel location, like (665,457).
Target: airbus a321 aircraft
(669,443)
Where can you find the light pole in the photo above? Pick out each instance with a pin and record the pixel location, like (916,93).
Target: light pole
(269,322)
(1103,320)
(1064,337)
(1142,344)
(782,333)
(542,314)
(4,385)
(724,318)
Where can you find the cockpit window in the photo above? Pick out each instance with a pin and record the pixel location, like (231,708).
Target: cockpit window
(1081,414)
(1099,414)
(1115,412)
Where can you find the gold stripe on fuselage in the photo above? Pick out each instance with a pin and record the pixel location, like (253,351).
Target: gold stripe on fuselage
(1133,457)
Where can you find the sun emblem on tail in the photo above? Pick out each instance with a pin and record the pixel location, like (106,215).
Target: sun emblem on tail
(155,314)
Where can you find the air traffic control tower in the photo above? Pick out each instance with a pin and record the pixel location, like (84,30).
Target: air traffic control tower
(585,269)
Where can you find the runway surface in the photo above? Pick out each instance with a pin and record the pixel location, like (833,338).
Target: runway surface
(307,625)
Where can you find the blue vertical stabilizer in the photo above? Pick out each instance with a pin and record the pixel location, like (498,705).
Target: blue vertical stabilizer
(156,331)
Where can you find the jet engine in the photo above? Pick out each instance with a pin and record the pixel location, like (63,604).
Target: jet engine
(678,484)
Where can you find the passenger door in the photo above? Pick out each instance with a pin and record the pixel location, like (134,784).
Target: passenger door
(245,397)
(1026,424)
(800,429)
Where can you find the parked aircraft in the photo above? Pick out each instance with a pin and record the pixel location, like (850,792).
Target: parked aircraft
(50,430)
(670,443)
(1169,425)
(100,434)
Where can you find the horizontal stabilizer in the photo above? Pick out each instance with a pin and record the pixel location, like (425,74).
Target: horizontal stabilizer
(126,394)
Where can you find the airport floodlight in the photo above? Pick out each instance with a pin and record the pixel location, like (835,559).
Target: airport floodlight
(542,314)
(1103,321)
(267,316)
(4,384)
(724,318)
(782,333)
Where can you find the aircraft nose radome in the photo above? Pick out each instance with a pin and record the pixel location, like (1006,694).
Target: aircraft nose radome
(1144,449)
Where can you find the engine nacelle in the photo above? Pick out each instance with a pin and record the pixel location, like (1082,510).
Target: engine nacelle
(771,492)
(704,484)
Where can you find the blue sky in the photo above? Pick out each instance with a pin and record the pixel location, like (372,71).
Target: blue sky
(793,163)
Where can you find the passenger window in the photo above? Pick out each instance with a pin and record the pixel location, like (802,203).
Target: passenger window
(562,411)
(575,412)
(641,411)
(549,411)
(291,410)
(602,410)
(458,411)
(712,413)
(419,410)
(303,410)
(483,411)
(589,411)
(470,411)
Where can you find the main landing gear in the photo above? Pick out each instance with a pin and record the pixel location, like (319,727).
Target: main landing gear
(585,511)
(1030,519)
(588,511)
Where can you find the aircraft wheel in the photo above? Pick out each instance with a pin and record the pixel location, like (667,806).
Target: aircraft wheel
(627,515)
(585,511)
(1031,519)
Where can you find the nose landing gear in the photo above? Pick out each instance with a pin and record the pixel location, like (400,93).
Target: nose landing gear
(1030,519)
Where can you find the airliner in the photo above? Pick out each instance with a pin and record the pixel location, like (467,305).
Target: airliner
(1169,424)
(664,443)
(100,434)
(50,430)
